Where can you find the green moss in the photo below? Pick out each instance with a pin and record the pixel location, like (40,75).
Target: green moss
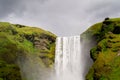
(50,54)
(9,71)
(91,74)
(33,31)
(106,53)
(91,32)
(18,41)
(94,53)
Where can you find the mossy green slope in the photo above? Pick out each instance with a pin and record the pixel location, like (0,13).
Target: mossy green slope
(17,41)
(106,53)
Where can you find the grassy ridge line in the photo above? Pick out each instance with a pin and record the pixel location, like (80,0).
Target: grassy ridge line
(18,41)
(105,53)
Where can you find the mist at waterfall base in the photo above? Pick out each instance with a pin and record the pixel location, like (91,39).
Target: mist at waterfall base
(32,68)
(72,62)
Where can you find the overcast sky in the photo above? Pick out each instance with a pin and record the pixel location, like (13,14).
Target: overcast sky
(62,17)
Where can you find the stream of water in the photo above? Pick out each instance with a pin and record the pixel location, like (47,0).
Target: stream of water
(68,59)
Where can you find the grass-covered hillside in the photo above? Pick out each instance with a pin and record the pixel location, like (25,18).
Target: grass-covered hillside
(106,52)
(18,41)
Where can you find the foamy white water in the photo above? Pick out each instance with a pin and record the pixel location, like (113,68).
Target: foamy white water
(68,59)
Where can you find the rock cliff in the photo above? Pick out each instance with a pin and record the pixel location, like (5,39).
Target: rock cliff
(106,50)
(17,42)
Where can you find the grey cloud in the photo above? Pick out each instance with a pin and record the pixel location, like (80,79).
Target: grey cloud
(9,6)
(62,17)
(104,9)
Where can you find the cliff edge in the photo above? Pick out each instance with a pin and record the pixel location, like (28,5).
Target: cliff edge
(17,42)
(106,51)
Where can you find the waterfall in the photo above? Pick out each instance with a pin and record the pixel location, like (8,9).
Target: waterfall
(72,61)
(68,59)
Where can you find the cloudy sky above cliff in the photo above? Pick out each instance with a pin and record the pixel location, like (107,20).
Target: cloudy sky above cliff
(62,17)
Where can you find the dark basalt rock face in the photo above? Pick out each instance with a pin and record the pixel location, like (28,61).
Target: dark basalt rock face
(105,53)
(18,42)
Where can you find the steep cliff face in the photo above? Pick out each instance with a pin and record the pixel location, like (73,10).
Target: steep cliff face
(106,52)
(18,42)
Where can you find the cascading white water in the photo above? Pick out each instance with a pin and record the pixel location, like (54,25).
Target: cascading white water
(71,63)
(68,59)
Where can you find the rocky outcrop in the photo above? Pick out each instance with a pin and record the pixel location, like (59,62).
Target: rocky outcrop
(18,42)
(106,51)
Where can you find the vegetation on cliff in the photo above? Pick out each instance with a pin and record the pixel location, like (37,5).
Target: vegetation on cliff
(106,52)
(18,41)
